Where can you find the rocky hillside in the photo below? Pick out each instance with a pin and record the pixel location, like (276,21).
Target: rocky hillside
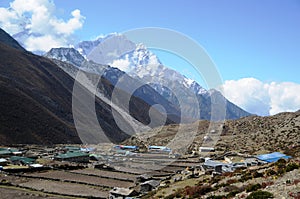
(247,136)
(275,180)
(251,134)
(255,134)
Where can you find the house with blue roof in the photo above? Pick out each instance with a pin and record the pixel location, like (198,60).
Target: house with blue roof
(272,157)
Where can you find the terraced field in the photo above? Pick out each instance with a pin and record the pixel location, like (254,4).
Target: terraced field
(81,179)
(64,188)
(107,174)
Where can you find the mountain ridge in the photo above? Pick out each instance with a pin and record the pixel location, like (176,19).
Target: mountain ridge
(140,63)
(5,38)
(115,76)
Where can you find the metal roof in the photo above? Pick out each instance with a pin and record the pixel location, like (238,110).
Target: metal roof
(121,191)
(71,155)
(126,147)
(25,160)
(5,152)
(272,157)
(153,183)
(72,148)
(162,148)
(213,163)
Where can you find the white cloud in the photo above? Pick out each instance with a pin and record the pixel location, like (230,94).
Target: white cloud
(68,28)
(42,43)
(285,96)
(36,19)
(8,21)
(263,98)
(122,64)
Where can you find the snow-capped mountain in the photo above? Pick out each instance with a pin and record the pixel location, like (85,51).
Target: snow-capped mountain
(140,56)
(139,62)
(72,56)
(113,75)
(85,47)
(143,65)
(108,50)
(69,55)
(135,59)
(159,74)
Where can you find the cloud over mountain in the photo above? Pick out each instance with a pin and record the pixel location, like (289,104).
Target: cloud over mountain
(262,98)
(34,24)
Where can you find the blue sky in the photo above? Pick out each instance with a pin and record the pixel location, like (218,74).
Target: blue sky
(244,38)
(247,40)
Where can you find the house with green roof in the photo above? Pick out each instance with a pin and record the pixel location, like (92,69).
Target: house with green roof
(7,152)
(72,148)
(19,160)
(75,156)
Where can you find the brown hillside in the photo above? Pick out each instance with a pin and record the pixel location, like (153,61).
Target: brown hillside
(252,134)
(36,102)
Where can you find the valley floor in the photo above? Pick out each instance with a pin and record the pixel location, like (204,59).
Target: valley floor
(150,175)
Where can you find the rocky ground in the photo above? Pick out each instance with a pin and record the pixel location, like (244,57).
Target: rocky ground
(281,180)
(250,135)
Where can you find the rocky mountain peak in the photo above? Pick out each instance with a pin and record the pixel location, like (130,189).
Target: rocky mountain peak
(69,55)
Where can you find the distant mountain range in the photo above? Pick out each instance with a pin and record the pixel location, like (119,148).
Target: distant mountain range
(144,66)
(36,102)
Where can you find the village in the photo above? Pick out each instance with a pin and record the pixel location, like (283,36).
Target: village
(113,171)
